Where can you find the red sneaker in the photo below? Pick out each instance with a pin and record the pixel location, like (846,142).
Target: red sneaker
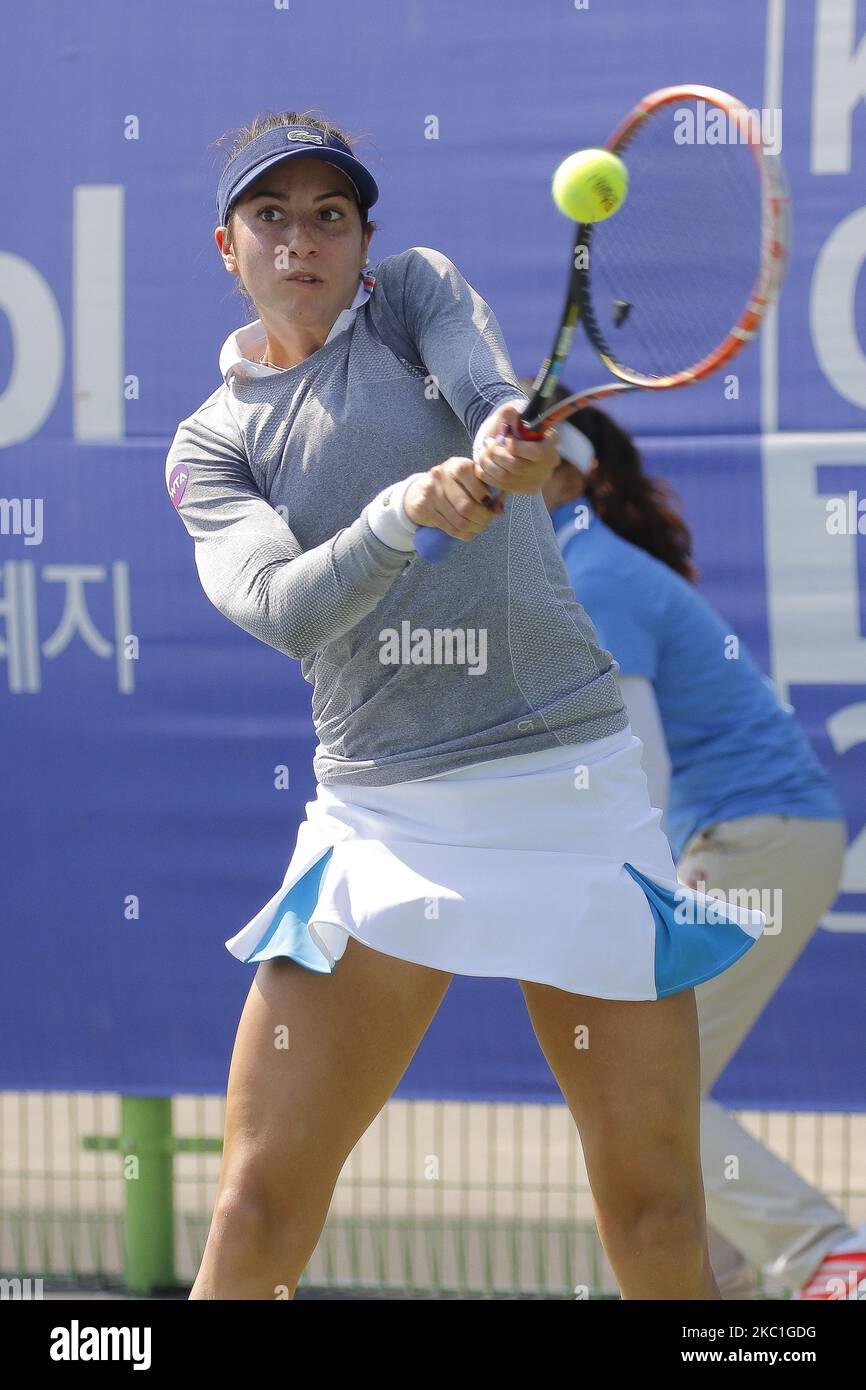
(842,1273)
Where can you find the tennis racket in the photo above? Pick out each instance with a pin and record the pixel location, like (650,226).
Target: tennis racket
(677,281)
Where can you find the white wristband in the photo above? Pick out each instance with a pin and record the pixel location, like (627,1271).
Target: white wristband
(387,517)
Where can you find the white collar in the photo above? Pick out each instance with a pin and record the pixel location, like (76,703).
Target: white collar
(240,355)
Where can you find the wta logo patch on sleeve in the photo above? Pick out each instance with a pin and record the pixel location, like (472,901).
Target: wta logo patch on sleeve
(178,479)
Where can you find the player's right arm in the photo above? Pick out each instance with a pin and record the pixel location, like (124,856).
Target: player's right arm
(252,566)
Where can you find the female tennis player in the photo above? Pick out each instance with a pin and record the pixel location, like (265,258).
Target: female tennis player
(748,808)
(480,806)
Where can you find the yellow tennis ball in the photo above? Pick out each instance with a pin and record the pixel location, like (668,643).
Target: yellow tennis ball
(590,185)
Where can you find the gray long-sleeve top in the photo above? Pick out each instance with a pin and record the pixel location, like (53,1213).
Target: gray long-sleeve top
(416,668)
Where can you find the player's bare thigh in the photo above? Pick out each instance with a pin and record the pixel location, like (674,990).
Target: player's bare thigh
(630,1073)
(315,1059)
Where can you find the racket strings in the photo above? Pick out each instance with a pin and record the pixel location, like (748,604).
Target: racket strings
(671,273)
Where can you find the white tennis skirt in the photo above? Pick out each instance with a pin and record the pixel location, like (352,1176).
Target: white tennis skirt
(547,866)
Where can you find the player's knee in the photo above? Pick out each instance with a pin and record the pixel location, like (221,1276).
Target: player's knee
(659,1226)
(249,1213)
(242,1211)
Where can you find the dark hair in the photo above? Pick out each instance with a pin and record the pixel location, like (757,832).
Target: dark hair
(640,508)
(244,135)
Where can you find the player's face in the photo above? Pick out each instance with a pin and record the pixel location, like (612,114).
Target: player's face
(301,216)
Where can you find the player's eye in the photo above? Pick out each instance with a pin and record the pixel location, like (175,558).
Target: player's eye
(323,212)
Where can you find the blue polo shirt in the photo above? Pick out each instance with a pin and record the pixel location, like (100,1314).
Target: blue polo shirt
(735,750)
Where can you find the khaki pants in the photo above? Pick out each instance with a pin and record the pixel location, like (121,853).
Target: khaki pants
(766,1218)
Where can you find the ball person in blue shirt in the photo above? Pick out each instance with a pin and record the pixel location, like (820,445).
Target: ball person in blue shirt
(748,809)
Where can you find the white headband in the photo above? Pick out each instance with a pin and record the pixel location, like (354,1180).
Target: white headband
(574,446)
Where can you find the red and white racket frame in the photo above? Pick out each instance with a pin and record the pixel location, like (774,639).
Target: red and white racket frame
(775,225)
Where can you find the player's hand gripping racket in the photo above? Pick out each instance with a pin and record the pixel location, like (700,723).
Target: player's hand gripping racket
(672,285)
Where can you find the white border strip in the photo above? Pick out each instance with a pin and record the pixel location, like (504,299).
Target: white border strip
(774,63)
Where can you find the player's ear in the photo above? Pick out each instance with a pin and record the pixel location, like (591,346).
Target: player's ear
(221,237)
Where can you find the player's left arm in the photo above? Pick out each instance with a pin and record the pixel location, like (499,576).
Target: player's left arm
(460,344)
(458,338)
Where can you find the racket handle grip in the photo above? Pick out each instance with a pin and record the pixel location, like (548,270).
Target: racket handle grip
(434,545)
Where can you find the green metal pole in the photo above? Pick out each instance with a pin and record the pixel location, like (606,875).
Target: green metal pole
(146,1148)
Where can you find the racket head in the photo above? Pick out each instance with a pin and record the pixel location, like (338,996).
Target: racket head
(706,223)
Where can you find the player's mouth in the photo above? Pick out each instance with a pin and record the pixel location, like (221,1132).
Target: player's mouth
(299,277)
